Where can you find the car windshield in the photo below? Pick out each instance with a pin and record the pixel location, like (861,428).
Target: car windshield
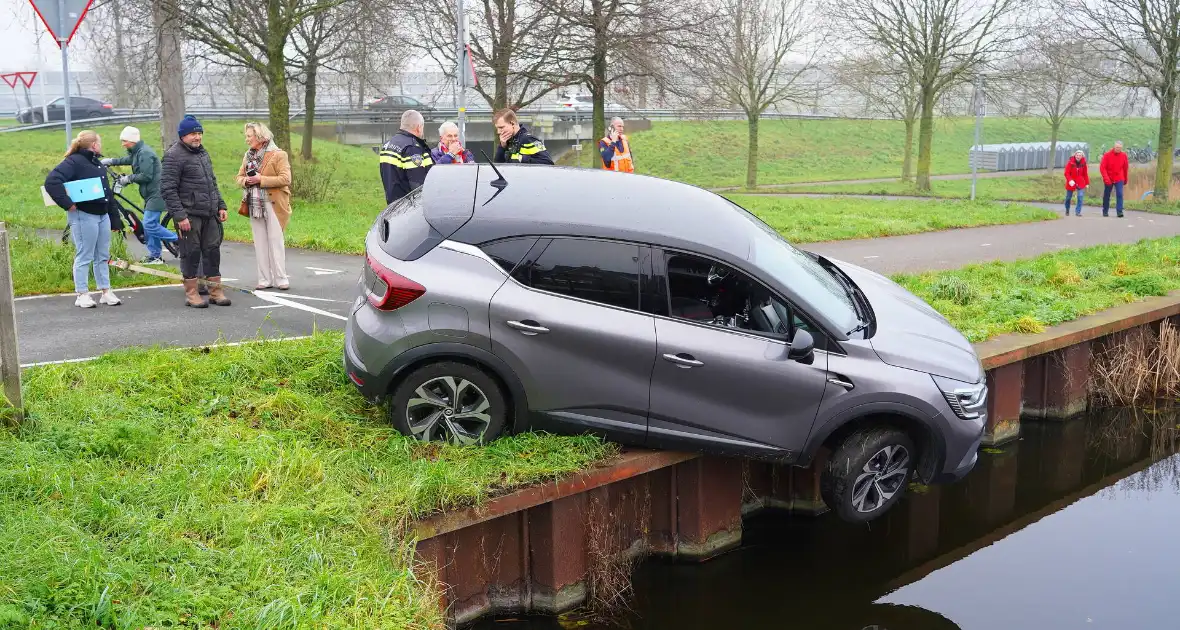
(793,268)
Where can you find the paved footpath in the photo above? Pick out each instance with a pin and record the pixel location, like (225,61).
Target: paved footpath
(323,286)
(888,180)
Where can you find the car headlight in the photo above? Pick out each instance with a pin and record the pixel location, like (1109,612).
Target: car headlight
(966,400)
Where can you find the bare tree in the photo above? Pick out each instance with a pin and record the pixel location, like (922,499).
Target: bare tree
(751,72)
(1055,77)
(256,36)
(939,42)
(319,40)
(888,90)
(373,52)
(514,40)
(122,43)
(1143,38)
(617,40)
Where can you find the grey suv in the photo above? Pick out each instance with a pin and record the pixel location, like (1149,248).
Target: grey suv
(655,314)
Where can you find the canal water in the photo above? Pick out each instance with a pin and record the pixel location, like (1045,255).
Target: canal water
(1077,525)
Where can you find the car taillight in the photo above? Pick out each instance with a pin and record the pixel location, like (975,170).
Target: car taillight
(107,106)
(387,290)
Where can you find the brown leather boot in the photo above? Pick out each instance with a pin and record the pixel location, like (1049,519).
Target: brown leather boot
(191,297)
(216,294)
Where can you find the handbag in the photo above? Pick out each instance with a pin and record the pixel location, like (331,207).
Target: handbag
(244,207)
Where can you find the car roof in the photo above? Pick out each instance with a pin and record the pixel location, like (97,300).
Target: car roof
(594,203)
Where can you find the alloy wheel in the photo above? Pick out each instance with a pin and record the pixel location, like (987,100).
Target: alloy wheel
(886,472)
(449,409)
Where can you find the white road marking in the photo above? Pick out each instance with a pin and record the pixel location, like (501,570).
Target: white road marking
(267,306)
(203,345)
(986,245)
(323,272)
(1070,233)
(271,297)
(871,257)
(117,291)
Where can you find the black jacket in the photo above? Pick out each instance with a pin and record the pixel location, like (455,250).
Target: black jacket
(525,148)
(82,165)
(188,183)
(405,159)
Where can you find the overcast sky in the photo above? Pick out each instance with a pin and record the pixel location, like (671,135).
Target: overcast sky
(20,32)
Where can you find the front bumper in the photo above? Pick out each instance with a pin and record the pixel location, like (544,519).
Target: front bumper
(963,440)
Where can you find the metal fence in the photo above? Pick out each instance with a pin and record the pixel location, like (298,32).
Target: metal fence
(1023,156)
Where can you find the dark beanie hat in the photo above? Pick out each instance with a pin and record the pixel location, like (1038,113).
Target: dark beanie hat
(189,125)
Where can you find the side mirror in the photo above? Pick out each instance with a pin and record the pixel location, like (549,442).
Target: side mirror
(802,347)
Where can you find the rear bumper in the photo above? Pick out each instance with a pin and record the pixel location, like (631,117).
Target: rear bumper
(370,385)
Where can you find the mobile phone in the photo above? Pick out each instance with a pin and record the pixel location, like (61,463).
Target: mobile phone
(251,173)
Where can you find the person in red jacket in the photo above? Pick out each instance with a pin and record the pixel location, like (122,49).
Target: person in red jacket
(1077,177)
(1114,166)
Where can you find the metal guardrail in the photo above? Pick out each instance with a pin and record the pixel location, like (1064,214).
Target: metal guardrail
(354,115)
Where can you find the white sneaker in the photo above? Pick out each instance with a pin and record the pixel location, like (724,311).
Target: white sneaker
(109,299)
(85,301)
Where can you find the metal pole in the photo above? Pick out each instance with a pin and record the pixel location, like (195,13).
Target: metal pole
(65,67)
(978,130)
(461,71)
(9,354)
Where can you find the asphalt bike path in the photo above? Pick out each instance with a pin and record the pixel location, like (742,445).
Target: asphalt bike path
(323,289)
(890,180)
(323,286)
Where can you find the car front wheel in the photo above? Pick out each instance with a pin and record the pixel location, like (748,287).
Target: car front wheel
(868,473)
(449,402)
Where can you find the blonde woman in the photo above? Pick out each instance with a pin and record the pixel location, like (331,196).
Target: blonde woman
(266,177)
(91,221)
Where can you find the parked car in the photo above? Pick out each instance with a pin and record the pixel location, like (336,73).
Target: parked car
(80,108)
(582,106)
(656,314)
(394,105)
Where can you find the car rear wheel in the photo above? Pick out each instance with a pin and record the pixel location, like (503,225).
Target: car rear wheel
(449,402)
(868,473)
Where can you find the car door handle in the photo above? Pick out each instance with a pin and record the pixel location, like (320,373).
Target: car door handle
(528,327)
(683,360)
(835,380)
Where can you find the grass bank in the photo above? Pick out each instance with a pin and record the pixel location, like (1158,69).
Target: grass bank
(1027,296)
(41,266)
(243,487)
(808,220)
(345,187)
(713,153)
(1043,188)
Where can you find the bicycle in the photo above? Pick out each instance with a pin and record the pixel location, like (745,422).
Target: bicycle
(132,216)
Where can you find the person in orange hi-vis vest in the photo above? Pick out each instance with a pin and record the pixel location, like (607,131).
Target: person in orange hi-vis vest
(616,149)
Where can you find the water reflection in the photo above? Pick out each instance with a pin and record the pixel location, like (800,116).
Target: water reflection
(1073,526)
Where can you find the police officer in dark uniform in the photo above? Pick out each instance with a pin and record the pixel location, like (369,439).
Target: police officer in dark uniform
(405,158)
(516,144)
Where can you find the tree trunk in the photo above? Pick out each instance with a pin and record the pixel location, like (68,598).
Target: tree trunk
(925,138)
(277,100)
(500,98)
(907,154)
(121,96)
(309,108)
(752,151)
(170,77)
(1167,142)
(598,91)
(1054,129)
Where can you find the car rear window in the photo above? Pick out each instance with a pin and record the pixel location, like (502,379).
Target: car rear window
(404,231)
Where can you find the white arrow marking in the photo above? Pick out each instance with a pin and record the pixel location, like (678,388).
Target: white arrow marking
(270,297)
(291,296)
(323,272)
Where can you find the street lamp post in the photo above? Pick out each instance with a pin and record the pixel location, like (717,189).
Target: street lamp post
(977,149)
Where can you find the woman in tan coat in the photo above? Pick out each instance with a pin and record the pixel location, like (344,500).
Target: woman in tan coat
(266,177)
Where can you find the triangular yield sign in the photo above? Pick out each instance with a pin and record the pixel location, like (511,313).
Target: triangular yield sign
(26,78)
(11,79)
(61,17)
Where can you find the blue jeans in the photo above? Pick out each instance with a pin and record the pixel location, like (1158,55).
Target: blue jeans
(155,233)
(91,234)
(1069,195)
(1118,189)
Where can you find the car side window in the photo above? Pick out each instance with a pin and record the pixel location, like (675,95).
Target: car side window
(598,271)
(508,252)
(711,293)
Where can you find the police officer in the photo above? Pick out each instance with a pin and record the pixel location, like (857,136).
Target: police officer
(516,143)
(405,158)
